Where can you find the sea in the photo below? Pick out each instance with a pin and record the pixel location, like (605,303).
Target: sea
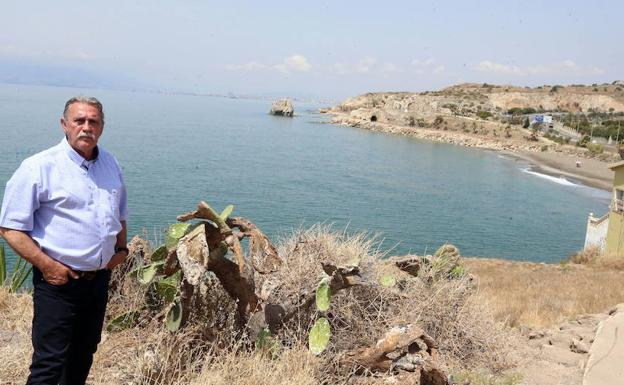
(284,174)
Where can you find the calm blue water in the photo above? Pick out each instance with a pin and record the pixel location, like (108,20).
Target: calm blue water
(283,173)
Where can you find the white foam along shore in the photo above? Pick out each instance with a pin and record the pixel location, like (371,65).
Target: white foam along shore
(555,179)
(562,169)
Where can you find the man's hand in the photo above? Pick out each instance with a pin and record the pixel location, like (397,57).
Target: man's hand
(116,259)
(55,273)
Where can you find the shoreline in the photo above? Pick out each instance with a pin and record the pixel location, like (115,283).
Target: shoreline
(593,172)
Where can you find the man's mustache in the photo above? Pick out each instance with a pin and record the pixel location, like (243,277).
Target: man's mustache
(86,135)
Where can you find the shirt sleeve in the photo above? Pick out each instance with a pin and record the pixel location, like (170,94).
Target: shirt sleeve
(21,198)
(123,203)
(123,196)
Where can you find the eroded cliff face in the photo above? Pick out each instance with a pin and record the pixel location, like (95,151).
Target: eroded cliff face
(561,101)
(473,99)
(478,115)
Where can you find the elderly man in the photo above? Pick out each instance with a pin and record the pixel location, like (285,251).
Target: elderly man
(64,210)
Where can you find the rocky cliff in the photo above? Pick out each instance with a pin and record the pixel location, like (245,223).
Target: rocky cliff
(482,99)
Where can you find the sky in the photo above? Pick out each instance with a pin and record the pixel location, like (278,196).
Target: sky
(323,49)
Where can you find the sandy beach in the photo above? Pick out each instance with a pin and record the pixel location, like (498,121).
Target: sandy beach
(593,172)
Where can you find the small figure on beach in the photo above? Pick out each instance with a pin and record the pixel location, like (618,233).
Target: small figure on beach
(578,163)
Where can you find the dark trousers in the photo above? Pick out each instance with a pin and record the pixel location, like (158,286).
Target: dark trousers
(66,328)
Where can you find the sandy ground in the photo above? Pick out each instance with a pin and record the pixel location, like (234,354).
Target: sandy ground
(592,172)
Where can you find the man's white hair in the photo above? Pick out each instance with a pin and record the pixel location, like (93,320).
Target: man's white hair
(90,100)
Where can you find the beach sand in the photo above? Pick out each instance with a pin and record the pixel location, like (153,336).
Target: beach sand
(592,172)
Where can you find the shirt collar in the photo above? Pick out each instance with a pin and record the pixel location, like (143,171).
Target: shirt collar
(76,157)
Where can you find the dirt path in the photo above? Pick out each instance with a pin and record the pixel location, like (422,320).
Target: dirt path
(558,356)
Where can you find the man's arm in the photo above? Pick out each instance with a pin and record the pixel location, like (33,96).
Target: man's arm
(121,243)
(53,271)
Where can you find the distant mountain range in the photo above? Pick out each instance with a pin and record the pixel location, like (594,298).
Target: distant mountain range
(50,75)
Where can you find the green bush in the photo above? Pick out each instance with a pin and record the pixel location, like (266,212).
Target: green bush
(595,148)
(484,114)
(521,111)
(21,271)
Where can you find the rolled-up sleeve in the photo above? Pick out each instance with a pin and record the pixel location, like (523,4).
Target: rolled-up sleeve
(21,198)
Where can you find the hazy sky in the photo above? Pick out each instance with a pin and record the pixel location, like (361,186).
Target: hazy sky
(324,49)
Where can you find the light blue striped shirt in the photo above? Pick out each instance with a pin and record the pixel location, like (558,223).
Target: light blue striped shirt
(71,207)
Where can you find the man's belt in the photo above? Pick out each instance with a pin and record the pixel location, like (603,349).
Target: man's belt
(88,275)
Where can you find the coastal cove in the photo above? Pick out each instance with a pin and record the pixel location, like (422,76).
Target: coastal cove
(285,173)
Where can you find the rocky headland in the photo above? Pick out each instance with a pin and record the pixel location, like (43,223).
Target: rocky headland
(495,118)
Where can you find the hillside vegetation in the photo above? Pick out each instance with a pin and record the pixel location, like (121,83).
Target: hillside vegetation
(484,318)
(496,117)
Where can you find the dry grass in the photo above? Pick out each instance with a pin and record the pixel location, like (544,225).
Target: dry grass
(15,347)
(543,295)
(209,351)
(591,257)
(295,366)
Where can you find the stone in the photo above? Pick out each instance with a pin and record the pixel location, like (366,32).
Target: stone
(606,354)
(282,107)
(535,334)
(561,356)
(579,347)
(563,340)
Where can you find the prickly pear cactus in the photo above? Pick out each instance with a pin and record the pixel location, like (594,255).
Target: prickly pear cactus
(323,295)
(174,316)
(174,233)
(226,212)
(319,336)
(387,281)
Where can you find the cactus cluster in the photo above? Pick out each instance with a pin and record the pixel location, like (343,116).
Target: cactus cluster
(320,334)
(164,288)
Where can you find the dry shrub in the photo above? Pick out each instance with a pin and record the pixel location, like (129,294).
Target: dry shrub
(305,250)
(15,345)
(295,365)
(150,356)
(544,295)
(465,331)
(210,351)
(586,256)
(591,256)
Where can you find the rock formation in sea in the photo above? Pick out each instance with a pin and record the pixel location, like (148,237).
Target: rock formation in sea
(282,107)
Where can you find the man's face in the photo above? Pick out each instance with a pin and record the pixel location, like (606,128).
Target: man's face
(83,126)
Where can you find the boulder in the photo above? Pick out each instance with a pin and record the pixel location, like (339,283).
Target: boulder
(282,107)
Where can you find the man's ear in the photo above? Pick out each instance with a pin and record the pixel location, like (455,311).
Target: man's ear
(64,125)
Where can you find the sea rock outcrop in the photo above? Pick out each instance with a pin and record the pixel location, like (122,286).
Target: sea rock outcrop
(282,107)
